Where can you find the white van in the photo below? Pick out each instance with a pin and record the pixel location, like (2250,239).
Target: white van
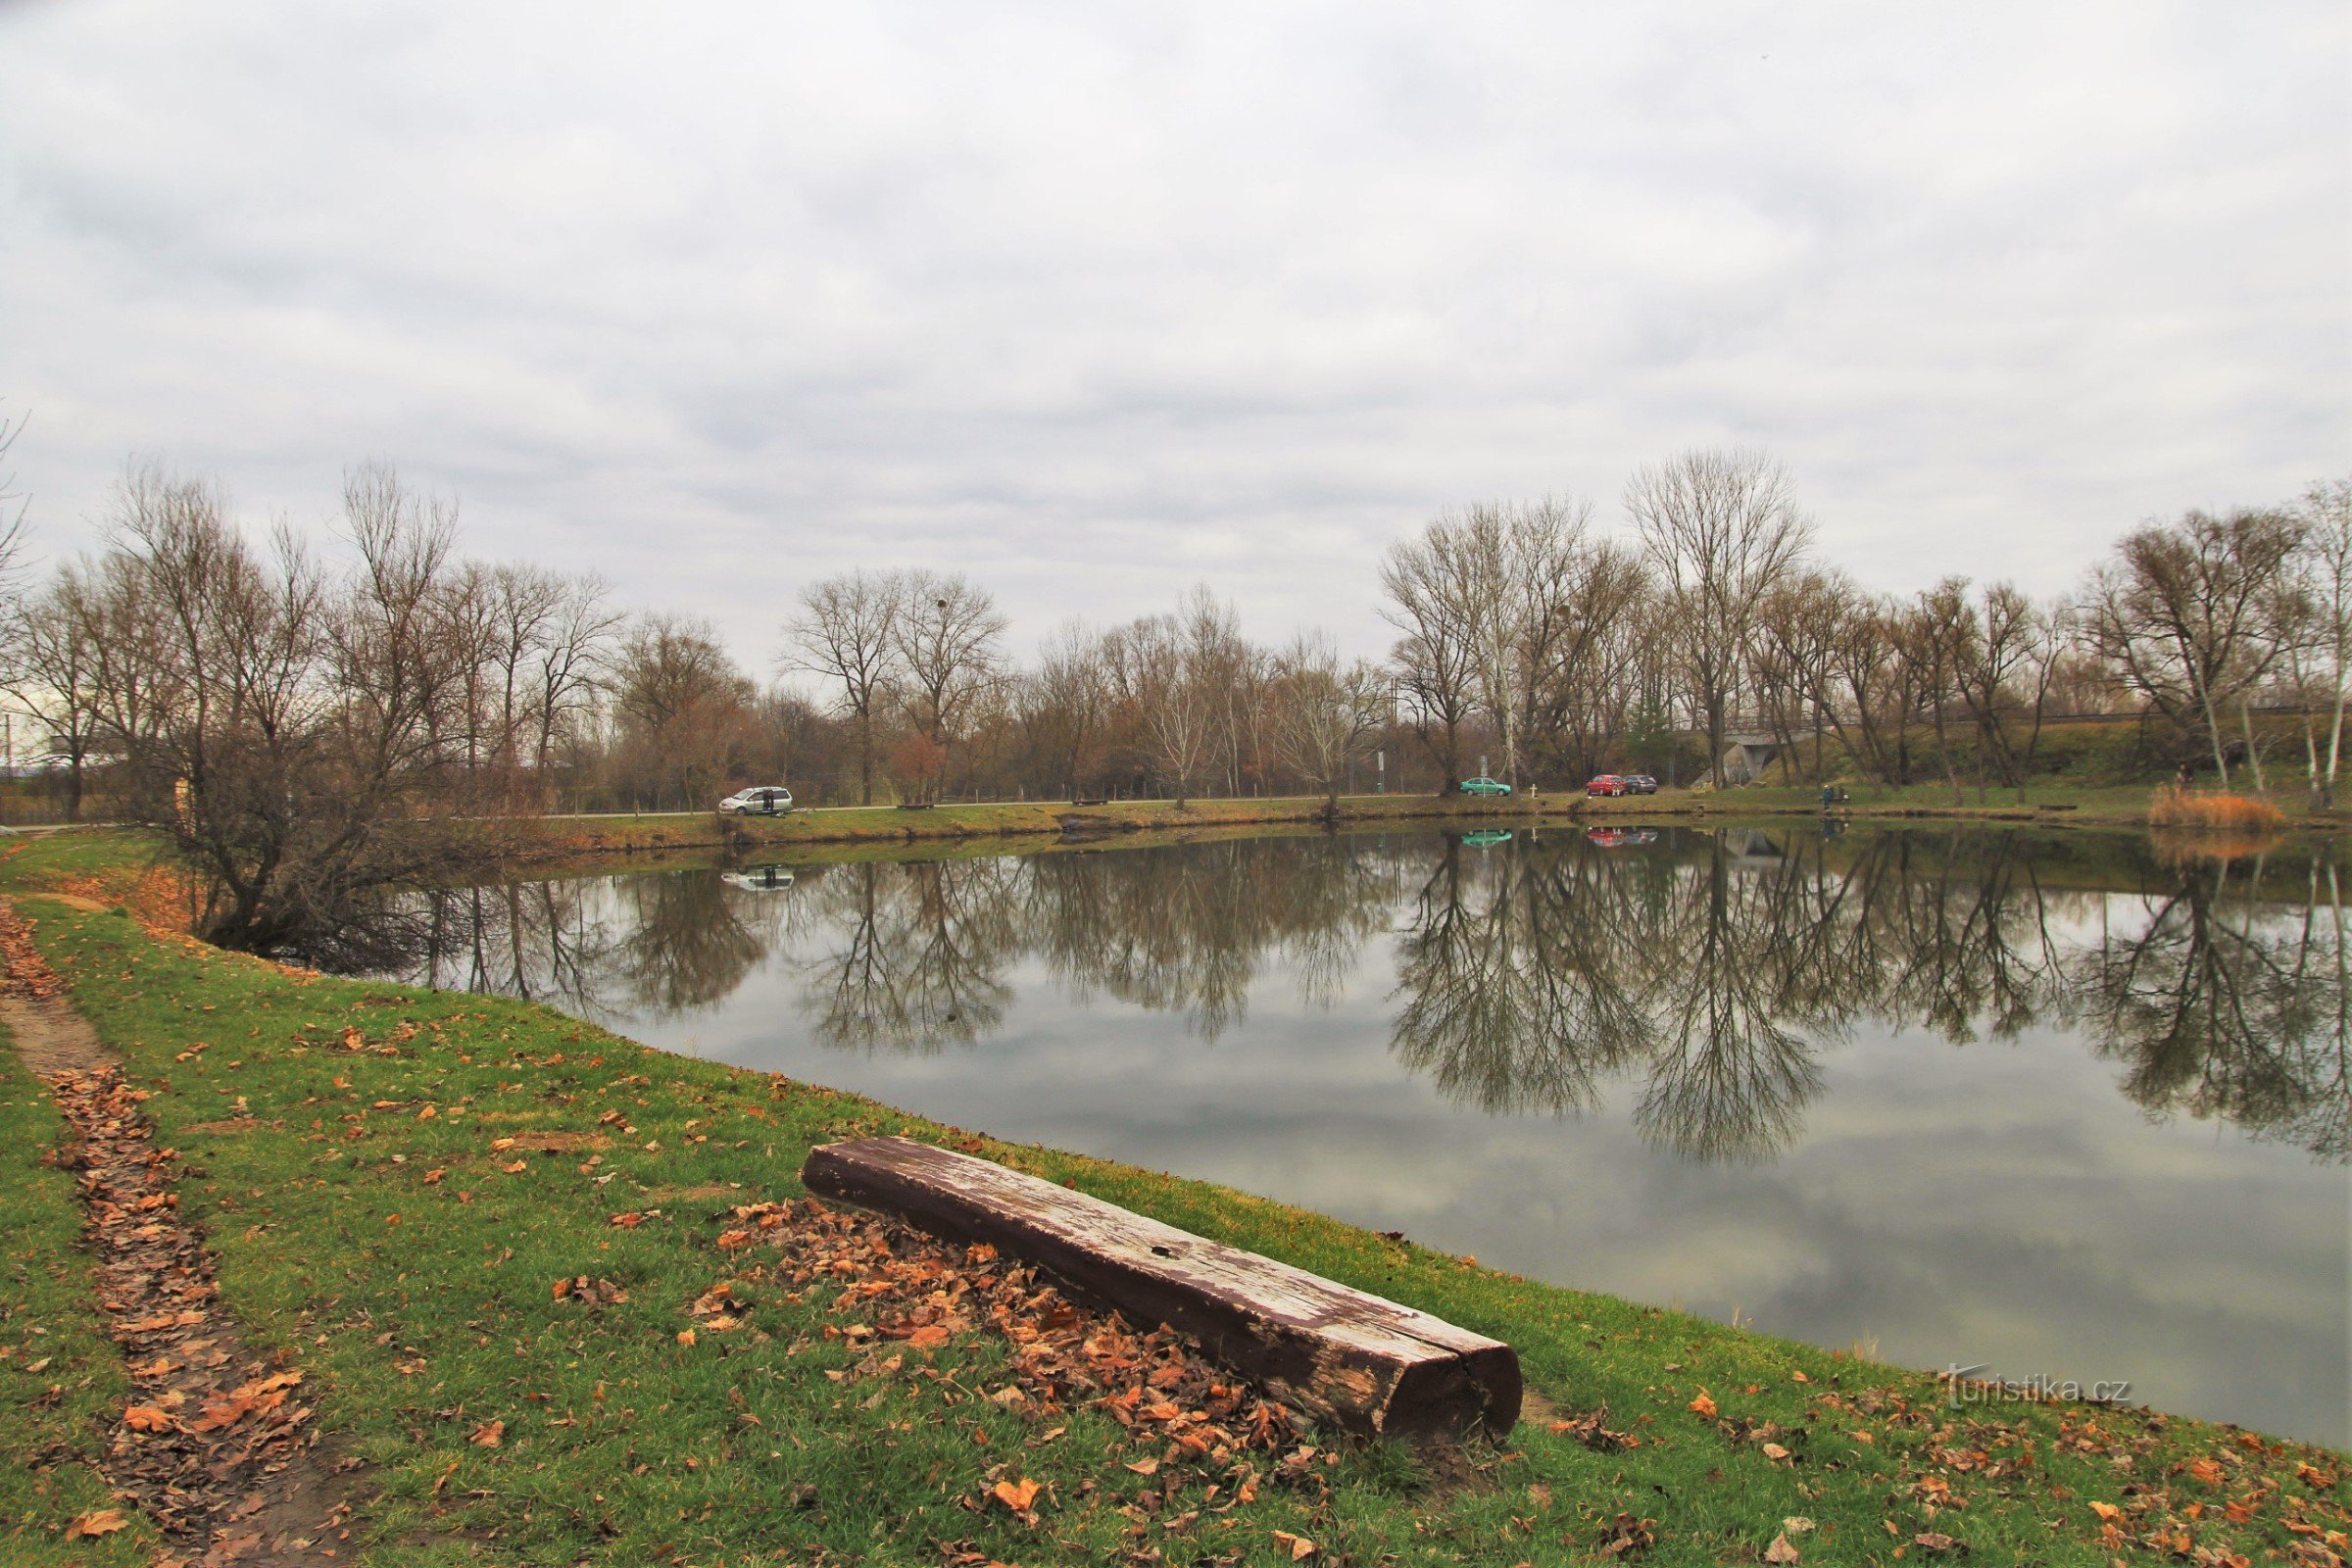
(762,800)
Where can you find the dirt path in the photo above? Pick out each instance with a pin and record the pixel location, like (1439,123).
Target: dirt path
(216,1444)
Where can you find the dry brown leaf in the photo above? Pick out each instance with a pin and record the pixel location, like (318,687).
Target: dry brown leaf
(97,1522)
(1015,1494)
(1703,1407)
(1781,1551)
(489,1435)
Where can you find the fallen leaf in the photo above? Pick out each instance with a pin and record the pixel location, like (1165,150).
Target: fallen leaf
(930,1336)
(1934,1541)
(146,1418)
(1015,1494)
(1703,1407)
(1300,1548)
(1145,1467)
(2106,1510)
(1772,1451)
(1780,1551)
(97,1522)
(686,1338)
(489,1435)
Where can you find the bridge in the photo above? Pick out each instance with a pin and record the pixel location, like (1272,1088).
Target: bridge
(1747,754)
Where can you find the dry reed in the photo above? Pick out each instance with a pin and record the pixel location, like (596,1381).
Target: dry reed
(2177,807)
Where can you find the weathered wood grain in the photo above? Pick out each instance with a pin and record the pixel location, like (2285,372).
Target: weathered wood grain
(1348,1358)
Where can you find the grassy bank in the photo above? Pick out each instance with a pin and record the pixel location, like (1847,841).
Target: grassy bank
(2057,804)
(988,819)
(396,1181)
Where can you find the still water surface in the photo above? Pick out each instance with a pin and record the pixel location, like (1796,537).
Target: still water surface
(2050,1105)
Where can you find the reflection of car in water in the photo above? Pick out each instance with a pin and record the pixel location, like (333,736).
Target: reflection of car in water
(1617,838)
(1486,837)
(764,799)
(759,878)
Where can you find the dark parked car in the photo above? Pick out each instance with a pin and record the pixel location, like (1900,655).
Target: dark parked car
(1640,784)
(1607,784)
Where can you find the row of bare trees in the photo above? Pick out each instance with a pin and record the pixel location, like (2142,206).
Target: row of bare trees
(295,719)
(1569,650)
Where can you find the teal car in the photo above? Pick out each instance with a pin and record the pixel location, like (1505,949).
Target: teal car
(1483,785)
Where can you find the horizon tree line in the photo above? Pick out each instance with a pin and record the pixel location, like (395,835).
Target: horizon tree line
(308,727)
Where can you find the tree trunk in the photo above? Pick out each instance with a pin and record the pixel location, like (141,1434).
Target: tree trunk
(2246,720)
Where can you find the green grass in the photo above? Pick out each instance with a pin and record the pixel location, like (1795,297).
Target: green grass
(61,1382)
(339,1140)
(2091,802)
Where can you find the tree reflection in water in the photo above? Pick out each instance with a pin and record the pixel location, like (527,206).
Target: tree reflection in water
(1190,928)
(2220,1007)
(915,954)
(1707,971)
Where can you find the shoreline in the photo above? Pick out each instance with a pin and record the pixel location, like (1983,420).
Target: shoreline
(557,837)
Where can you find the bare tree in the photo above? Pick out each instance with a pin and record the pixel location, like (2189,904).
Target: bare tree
(13,508)
(846,633)
(948,638)
(2184,611)
(1059,709)
(1171,702)
(2005,679)
(1431,604)
(1799,628)
(54,670)
(1722,529)
(1324,710)
(2326,565)
(683,706)
(570,662)
(275,717)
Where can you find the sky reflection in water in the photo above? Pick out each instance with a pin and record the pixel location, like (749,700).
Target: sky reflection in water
(2048,1103)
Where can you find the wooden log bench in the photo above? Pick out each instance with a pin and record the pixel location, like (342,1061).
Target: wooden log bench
(1349,1359)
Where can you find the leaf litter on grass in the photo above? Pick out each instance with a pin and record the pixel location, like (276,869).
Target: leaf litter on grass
(215,1446)
(896,1294)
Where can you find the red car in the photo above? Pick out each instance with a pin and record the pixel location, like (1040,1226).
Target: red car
(1608,784)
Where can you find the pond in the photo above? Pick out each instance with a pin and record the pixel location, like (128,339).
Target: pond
(2056,1105)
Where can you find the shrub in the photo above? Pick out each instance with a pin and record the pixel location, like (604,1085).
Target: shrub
(2174,807)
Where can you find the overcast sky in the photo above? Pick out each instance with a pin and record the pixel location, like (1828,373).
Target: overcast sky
(1092,302)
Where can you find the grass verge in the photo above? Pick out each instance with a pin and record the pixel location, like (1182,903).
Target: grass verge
(396,1181)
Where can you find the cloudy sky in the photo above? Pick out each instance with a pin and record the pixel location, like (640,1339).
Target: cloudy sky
(1095,302)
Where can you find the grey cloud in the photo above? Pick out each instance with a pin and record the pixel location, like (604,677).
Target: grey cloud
(1092,303)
